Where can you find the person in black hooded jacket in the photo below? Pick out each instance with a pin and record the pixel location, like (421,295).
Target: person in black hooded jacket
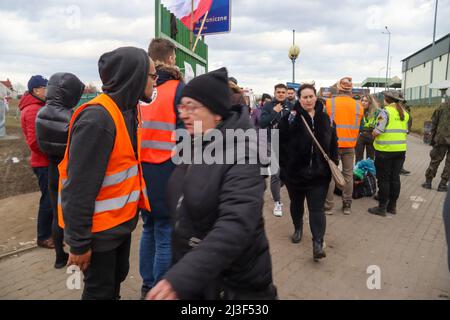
(219,245)
(304,169)
(128,75)
(64,90)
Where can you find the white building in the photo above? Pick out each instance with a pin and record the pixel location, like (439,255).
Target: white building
(10,92)
(417,71)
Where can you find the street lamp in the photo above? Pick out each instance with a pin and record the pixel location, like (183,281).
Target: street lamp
(432,53)
(389,49)
(294,52)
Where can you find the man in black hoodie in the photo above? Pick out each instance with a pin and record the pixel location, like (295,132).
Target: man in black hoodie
(127,75)
(64,91)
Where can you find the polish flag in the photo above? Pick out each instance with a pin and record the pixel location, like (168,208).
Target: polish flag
(182,9)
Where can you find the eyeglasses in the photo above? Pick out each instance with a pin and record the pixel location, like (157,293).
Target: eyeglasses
(154,76)
(188,109)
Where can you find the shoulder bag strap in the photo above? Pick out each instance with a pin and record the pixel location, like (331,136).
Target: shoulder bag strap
(315,140)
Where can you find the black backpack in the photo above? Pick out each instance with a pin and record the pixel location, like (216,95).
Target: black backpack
(369,185)
(358,188)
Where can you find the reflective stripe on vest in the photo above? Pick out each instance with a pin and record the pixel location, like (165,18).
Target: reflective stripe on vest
(123,189)
(393,139)
(159,124)
(157,145)
(115,179)
(348,139)
(370,123)
(347,127)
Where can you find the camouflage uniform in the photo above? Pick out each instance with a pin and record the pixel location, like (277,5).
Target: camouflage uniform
(440,132)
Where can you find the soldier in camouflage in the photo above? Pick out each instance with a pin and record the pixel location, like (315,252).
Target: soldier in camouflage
(440,132)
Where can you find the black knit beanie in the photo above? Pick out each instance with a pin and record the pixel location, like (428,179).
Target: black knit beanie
(211,90)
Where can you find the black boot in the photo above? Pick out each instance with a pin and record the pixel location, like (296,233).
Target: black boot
(443,186)
(379,211)
(404,172)
(318,252)
(61,261)
(427,184)
(297,236)
(392,207)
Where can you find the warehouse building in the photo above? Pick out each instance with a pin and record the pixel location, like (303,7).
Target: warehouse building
(417,72)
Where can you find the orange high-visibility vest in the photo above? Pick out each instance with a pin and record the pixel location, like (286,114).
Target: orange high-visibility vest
(158,124)
(347,113)
(123,190)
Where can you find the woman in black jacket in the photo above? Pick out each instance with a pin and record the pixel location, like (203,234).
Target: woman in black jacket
(52,123)
(220,248)
(303,167)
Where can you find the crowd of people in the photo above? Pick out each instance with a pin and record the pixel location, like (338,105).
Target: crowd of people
(107,163)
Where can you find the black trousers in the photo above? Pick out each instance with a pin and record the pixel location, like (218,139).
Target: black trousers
(315,198)
(389,165)
(365,142)
(106,272)
(57,231)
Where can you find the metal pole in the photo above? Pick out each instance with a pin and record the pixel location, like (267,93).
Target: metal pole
(157,18)
(390,68)
(191,35)
(293,70)
(293,60)
(432,52)
(378,79)
(387,63)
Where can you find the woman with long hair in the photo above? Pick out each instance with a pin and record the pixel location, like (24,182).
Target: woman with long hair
(365,138)
(390,145)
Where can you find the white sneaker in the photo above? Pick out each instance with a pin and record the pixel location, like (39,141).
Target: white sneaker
(278,210)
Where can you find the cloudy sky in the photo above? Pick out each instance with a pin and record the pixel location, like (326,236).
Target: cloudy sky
(337,38)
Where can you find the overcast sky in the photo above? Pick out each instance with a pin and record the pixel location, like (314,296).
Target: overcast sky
(336,38)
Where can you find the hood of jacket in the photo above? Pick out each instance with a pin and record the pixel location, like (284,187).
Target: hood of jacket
(64,90)
(239,119)
(124,74)
(28,99)
(52,122)
(166,73)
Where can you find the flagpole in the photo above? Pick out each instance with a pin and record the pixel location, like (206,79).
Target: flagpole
(191,36)
(200,31)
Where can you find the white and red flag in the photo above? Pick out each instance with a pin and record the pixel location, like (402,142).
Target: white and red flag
(182,10)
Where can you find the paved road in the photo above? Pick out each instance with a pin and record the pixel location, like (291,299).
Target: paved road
(409,249)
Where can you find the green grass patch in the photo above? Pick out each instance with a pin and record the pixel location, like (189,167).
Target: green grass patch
(420,114)
(13,115)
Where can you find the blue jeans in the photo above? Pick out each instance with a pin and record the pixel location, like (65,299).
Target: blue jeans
(155,247)
(45,214)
